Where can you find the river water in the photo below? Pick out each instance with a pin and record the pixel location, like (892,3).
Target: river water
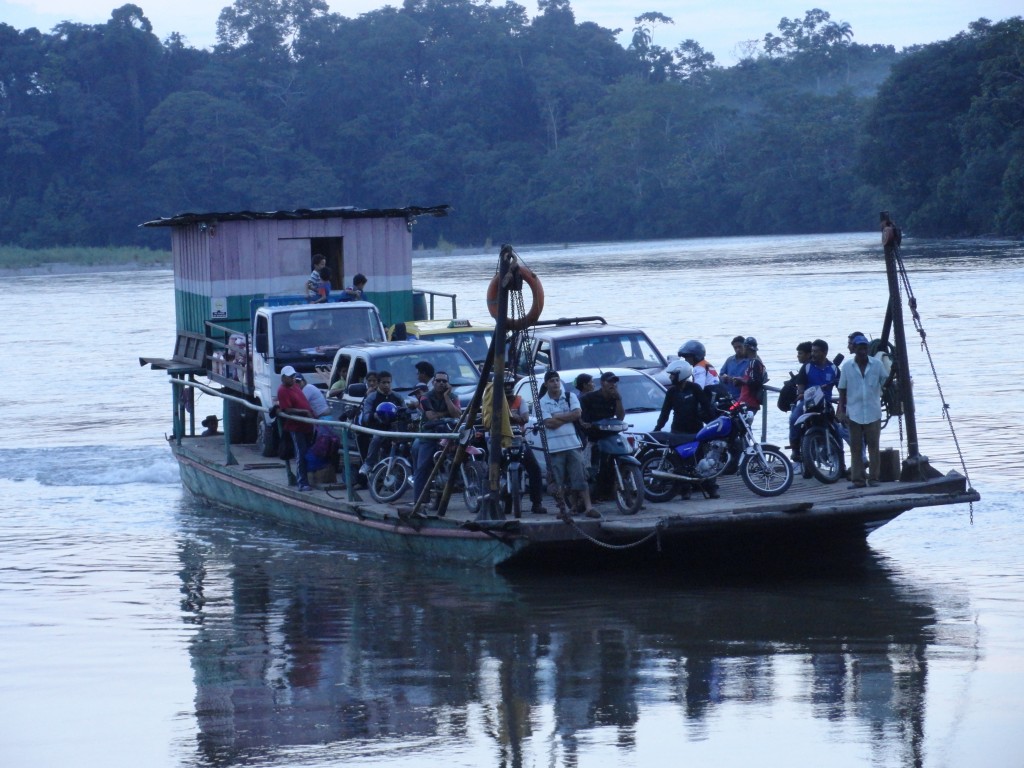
(140,628)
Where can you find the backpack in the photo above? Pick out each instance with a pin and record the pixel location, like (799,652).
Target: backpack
(787,395)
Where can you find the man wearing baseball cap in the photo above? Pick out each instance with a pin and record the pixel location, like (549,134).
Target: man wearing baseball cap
(860,405)
(291,401)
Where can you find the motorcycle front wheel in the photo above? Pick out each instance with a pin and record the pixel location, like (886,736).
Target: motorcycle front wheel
(768,476)
(388,480)
(658,489)
(822,455)
(629,495)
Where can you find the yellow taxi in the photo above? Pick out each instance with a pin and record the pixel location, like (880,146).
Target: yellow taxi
(472,336)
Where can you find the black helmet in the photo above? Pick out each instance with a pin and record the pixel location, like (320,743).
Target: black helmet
(694,348)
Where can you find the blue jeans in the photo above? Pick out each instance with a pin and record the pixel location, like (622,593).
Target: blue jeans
(795,431)
(423,462)
(301,442)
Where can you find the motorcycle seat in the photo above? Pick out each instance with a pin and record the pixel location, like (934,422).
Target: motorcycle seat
(674,438)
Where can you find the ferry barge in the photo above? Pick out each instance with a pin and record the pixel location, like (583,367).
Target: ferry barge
(235,472)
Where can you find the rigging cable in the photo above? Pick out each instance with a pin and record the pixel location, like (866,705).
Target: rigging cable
(904,279)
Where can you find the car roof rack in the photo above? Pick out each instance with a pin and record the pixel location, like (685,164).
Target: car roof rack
(574,320)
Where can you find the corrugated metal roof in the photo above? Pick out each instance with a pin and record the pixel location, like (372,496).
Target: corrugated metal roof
(346,212)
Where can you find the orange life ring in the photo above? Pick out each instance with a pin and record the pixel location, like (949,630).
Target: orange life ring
(536,304)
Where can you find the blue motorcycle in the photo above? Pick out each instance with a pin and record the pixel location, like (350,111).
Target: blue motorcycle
(673,461)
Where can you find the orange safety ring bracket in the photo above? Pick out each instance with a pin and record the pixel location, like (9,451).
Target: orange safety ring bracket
(536,304)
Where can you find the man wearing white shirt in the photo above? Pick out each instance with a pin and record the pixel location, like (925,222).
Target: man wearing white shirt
(564,448)
(860,405)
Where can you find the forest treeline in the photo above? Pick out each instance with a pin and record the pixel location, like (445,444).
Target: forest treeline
(535,129)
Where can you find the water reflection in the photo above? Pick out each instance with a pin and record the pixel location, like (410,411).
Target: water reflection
(299,644)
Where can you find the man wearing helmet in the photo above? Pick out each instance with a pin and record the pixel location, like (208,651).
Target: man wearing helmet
(704,374)
(371,415)
(690,407)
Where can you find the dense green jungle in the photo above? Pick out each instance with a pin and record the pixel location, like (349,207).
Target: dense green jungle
(535,129)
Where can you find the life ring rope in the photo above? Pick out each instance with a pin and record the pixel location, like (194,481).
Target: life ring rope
(536,303)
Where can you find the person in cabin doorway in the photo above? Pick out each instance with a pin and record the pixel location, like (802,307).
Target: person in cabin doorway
(324,289)
(860,406)
(211,423)
(313,283)
(291,402)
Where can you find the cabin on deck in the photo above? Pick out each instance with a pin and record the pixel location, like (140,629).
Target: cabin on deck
(222,261)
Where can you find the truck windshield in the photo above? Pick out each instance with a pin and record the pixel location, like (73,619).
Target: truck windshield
(319,333)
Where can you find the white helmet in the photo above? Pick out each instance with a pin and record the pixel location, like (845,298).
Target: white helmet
(679,370)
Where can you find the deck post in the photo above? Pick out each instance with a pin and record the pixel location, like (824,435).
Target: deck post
(489,505)
(915,466)
(229,458)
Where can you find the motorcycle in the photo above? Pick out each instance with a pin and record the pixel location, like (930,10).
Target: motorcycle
(616,449)
(821,449)
(671,459)
(392,476)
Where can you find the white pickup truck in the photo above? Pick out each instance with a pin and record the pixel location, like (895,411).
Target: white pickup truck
(304,336)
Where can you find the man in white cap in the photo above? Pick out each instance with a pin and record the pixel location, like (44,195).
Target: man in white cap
(860,405)
(291,401)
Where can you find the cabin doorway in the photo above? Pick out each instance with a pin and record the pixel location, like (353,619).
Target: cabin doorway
(333,249)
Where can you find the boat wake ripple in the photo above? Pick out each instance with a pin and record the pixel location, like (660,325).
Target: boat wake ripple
(94,465)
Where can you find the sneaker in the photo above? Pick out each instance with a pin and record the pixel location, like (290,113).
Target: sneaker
(873,483)
(538,510)
(593,513)
(855,485)
(364,470)
(303,488)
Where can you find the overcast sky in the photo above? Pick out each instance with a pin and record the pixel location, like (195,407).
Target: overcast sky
(718,25)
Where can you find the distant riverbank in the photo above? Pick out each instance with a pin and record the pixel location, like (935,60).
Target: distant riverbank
(64,261)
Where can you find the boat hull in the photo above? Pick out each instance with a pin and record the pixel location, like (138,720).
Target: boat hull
(809,523)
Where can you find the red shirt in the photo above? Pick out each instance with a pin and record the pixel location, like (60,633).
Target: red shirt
(292,397)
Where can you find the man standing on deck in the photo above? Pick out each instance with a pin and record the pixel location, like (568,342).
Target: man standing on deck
(314,396)
(734,367)
(860,404)
(559,411)
(292,402)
